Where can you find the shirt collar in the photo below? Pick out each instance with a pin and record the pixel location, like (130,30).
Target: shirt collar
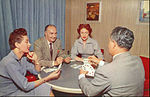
(14,55)
(87,41)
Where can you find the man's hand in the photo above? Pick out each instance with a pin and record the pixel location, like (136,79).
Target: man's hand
(58,61)
(94,59)
(83,72)
(67,59)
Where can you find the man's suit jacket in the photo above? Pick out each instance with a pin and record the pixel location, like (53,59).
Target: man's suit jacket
(41,48)
(124,76)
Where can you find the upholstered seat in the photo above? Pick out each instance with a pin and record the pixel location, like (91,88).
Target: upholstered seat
(145,61)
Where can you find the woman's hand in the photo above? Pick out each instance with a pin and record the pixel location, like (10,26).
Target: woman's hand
(54,75)
(32,56)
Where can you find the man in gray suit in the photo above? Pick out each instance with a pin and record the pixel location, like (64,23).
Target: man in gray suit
(124,76)
(49,49)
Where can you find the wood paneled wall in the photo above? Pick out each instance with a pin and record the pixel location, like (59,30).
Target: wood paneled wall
(114,13)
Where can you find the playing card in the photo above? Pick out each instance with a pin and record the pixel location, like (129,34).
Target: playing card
(75,66)
(59,67)
(49,69)
(89,68)
(85,61)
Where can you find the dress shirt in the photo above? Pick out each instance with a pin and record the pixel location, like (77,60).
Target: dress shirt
(52,48)
(13,71)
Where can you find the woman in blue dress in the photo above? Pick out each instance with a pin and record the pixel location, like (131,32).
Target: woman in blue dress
(85,45)
(13,69)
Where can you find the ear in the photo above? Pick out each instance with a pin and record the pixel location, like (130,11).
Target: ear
(114,44)
(17,45)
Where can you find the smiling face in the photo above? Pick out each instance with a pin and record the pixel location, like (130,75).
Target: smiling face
(84,33)
(51,34)
(24,45)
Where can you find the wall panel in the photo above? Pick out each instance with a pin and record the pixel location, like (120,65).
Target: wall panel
(114,13)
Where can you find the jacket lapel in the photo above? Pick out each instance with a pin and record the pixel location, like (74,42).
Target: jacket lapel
(55,50)
(47,49)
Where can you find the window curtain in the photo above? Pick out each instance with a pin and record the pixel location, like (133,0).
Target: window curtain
(33,15)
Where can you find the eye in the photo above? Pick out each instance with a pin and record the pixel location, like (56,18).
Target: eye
(86,32)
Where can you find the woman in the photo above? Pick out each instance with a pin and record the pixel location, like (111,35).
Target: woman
(13,69)
(85,45)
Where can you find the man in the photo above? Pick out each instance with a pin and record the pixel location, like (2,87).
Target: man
(49,49)
(124,76)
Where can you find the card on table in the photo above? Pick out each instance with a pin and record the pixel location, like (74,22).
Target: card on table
(46,70)
(75,66)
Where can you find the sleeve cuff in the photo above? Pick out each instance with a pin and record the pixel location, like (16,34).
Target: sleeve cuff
(81,76)
(101,63)
(53,64)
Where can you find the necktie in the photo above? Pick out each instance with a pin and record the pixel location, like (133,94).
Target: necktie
(51,50)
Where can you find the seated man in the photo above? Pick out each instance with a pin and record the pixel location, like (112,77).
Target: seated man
(49,49)
(124,76)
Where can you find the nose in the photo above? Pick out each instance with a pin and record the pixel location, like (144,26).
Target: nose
(29,44)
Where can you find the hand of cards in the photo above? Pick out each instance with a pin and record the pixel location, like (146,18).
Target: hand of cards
(89,68)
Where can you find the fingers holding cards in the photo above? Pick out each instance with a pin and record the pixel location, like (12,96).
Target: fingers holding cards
(88,67)
(83,71)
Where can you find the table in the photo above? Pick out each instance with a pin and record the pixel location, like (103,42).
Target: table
(68,80)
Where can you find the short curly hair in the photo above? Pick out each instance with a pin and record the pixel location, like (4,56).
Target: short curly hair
(16,36)
(123,36)
(86,26)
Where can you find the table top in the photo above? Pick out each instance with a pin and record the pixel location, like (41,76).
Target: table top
(68,80)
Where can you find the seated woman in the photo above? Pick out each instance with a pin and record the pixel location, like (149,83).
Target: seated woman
(85,46)
(13,69)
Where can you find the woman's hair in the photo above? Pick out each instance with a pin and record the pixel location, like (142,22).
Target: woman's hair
(123,36)
(86,26)
(16,36)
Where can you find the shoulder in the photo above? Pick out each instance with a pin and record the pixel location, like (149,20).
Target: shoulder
(93,41)
(137,59)
(39,40)
(77,41)
(8,61)
(58,41)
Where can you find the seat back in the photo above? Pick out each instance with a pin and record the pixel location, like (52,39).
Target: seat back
(145,61)
(31,77)
(102,50)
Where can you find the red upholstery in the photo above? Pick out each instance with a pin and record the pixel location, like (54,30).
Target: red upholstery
(30,77)
(102,50)
(145,61)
